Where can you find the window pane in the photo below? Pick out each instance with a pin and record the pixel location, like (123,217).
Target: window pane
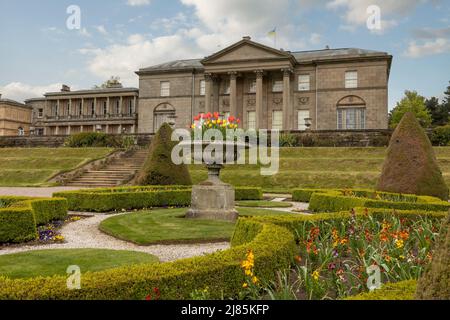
(351,79)
(251,120)
(252,88)
(277,86)
(302,115)
(165,88)
(303,82)
(339,119)
(277,120)
(227,87)
(202,87)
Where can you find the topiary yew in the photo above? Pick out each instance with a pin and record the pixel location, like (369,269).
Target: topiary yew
(435,282)
(159,168)
(410,165)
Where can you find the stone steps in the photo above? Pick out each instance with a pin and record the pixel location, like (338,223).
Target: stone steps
(114,174)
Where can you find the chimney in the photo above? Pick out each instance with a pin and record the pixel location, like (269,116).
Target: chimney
(327,47)
(247,38)
(65,88)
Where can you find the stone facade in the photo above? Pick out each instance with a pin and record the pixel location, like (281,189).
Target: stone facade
(331,89)
(15,118)
(109,110)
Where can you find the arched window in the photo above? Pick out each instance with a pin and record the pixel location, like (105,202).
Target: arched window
(163,113)
(20,131)
(351,113)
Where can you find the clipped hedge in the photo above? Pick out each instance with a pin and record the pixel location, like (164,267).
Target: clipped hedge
(21,215)
(128,198)
(273,247)
(403,290)
(334,200)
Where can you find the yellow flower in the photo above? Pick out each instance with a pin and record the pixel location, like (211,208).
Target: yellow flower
(219,121)
(316,275)
(248,272)
(255,280)
(193,126)
(399,243)
(210,125)
(214,122)
(402,257)
(245,285)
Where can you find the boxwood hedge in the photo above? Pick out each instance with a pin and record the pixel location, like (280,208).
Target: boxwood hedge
(273,247)
(19,216)
(403,290)
(128,198)
(333,200)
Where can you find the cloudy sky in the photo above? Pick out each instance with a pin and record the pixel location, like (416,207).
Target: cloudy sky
(117,37)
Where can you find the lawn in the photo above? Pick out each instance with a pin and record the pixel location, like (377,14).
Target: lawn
(170,226)
(55,262)
(35,166)
(317,168)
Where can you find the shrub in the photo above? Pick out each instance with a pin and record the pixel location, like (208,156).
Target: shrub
(333,200)
(21,215)
(139,197)
(411,166)
(221,272)
(288,140)
(403,290)
(159,168)
(435,282)
(441,136)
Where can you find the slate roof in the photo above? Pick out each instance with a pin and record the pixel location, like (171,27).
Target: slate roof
(300,56)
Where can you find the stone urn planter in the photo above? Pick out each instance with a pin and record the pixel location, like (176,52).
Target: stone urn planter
(212,198)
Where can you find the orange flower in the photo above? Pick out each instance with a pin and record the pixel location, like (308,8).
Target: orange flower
(298,259)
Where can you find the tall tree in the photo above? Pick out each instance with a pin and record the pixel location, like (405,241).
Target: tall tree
(412,102)
(438,111)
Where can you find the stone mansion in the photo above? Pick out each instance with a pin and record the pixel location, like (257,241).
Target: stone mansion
(330,89)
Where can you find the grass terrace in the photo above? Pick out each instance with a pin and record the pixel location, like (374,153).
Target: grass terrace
(35,166)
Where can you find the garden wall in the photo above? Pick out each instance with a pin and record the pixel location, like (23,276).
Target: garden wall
(54,141)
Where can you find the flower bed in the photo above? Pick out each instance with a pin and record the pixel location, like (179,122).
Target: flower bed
(335,249)
(20,216)
(334,200)
(127,198)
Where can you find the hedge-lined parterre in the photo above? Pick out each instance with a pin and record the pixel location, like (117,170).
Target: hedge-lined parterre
(334,200)
(127,198)
(273,248)
(20,216)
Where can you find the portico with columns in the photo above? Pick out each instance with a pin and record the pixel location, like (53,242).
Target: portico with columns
(250,88)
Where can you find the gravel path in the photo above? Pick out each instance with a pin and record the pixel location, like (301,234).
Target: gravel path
(85,234)
(33,191)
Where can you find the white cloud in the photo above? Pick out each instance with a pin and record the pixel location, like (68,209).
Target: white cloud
(355,11)
(315,38)
(136,3)
(85,33)
(101,29)
(429,47)
(138,52)
(21,91)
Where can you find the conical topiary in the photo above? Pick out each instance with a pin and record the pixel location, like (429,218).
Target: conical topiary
(410,165)
(159,168)
(435,282)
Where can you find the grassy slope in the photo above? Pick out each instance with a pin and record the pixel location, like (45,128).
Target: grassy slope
(169,226)
(34,166)
(318,168)
(52,262)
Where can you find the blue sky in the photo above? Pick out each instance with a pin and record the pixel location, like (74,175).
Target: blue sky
(117,37)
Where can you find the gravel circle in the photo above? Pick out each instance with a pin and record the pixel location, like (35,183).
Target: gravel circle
(85,234)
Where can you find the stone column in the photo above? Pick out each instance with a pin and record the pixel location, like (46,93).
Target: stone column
(259,99)
(107,128)
(108,106)
(120,129)
(134,105)
(95,107)
(286,98)
(58,111)
(133,129)
(121,105)
(208,87)
(56,130)
(68,130)
(82,107)
(70,107)
(81,128)
(233,94)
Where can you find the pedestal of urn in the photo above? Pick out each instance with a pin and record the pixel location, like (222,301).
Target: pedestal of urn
(212,198)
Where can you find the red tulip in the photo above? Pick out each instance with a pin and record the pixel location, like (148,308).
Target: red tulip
(196,118)
(208,115)
(238,120)
(203,116)
(231,119)
(216,115)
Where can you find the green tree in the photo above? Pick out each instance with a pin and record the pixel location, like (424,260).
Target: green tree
(438,111)
(412,102)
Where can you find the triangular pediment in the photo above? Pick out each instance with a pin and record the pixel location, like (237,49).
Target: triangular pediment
(246,50)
